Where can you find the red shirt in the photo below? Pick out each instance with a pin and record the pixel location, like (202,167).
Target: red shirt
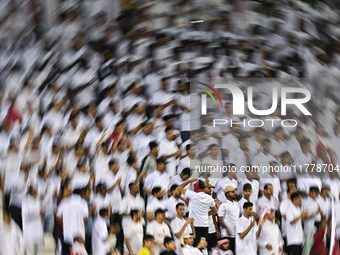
(13,115)
(114,137)
(319,246)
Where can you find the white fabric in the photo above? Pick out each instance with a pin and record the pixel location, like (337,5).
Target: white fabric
(199,206)
(270,234)
(100,237)
(73,210)
(159,232)
(230,212)
(134,231)
(11,239)
(294,231)
(31,221)
(248,244)
(176,226)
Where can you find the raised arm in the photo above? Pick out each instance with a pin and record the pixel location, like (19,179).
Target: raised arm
(181,187)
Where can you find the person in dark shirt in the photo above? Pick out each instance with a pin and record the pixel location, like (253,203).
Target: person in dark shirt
(170,246)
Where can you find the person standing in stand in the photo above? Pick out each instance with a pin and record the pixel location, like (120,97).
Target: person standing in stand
(32,215)
(201,205)
(269,235)
(228,214)
(294,219)
(246,229)
(11,238)
(100,235)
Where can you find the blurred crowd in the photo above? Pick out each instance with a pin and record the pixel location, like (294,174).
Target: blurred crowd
(101,132)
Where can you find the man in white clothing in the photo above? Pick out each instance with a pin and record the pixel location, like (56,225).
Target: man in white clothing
(269,235)
(100,235)
(246,229)
(267,199)
(314,214)
(159,230)
(132,201)
(101,200)
(189,248)
(229,179)
(247,191)
(155,203)
(294,220)
(158,178)
(200,207)
(190,159)
(11,238)
(228,214)
(171,203)
(72,214)
(179,225)
(114,182)
(32,213)
(183,176)
(283,210)
(133,233)
(169,150)
(222,248)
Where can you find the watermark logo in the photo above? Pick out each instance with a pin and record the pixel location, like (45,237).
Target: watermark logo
(204,97)
(239,102)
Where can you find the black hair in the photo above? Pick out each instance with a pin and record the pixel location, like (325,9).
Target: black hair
(295,196)
(144,123)
(246,205)
(186,171)
(133,213)
(112,162)
(130,160)
(317,224)
(167,240)
(179,204)
(173,187)
(152,145)
(156,190)
(158,211)
(293,180)
(213,146)
(103,211)
(148,238)
(267,186)
(122,121)
(99,118)
(132,183)
(314,189)
(74,116)
(104,144)
(201,184)
(167,129)
(78,191)
(187,147)
(247,186)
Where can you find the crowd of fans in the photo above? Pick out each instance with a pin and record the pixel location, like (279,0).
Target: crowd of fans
(102,135)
